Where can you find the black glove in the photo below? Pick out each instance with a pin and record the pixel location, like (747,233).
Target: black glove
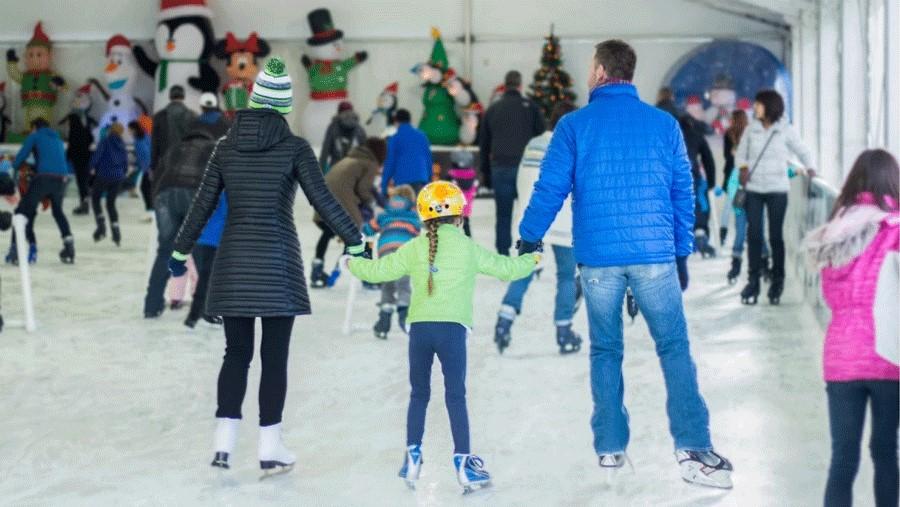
(307,63)
(361,56)
(58,81)
(525,247)
(683,277)
(11,55)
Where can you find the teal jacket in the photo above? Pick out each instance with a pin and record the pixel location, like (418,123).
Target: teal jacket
(457,262)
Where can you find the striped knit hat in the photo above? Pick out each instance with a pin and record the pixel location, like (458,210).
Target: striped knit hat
(272,89)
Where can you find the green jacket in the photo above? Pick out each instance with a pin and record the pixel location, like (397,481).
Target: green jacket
(457,262)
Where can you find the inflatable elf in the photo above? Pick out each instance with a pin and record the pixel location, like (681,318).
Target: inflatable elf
(439,121)
(39,84)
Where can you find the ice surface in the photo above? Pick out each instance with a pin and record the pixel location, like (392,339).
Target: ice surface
(100,407)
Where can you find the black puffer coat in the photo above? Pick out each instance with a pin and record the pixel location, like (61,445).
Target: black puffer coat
(258,271)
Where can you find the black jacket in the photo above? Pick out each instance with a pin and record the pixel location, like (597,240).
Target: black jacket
(258,270)
(169,126)
(80,137)
(183,164)
(506,128)
(698,149)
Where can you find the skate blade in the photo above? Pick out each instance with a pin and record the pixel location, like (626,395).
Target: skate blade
(270,470)
(474,488)
(410,484)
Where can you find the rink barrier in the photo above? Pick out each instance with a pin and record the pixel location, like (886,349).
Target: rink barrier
(809,205)
(19,223)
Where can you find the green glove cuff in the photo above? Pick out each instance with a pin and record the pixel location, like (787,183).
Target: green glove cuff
(178,256)
(356,249)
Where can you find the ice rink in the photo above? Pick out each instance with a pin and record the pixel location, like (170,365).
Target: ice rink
(100,407)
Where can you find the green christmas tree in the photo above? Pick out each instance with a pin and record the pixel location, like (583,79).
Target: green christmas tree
(551,83)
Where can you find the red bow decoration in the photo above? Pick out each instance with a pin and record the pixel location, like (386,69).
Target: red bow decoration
(233,45)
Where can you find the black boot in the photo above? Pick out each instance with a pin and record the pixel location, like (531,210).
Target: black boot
(750,294)
(83,209)
(735,270)
(12,257)
(116,234)
(569,341)
(503,333)
(383,326)
(775,291)
(318,279)
(723,233)
(100,231)
(402,312)
(67,254)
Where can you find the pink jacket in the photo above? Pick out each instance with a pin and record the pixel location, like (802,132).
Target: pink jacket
(851,250)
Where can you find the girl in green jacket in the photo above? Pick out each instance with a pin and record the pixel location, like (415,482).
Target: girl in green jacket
(442,265)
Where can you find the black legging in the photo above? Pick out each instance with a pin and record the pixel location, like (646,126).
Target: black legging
(111,189)
(82,166)
(776,204)
(204,256)
(276,338)
(44,186)
(324,239)
(147,191)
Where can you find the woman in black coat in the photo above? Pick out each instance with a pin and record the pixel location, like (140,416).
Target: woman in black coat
(258,271)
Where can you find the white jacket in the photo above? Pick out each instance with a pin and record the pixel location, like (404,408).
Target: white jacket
(771,172)
(560,231)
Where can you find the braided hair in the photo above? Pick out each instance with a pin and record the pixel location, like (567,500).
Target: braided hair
(432,233)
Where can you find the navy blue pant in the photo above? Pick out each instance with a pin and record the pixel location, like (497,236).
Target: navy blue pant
(847,402)
(505,194)
(448,341)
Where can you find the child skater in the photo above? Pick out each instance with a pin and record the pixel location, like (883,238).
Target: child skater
(395,226)
(857,251)
(442,265)
(464,175)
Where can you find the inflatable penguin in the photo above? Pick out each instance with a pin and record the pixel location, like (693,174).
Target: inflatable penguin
(328,72)
(184,42)
(383,114)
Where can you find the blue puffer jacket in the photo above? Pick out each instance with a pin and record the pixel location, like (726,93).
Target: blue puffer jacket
(212,232)
(110,160)
(49,152)
(626,166)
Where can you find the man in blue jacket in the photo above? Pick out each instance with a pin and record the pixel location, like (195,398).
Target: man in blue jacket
(408,159)
(625,163)
(49,182)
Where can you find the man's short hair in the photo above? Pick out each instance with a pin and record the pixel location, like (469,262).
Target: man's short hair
(402,116)
(176,93)
(617,58)
(773,104)
(39,123)
(512,80)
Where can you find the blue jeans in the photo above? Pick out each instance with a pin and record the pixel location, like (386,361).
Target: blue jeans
(172,206)
(740,235)
(448,341)
(565,287)
(658,295)
(504,182)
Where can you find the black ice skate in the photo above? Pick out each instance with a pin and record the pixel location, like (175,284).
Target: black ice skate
(735,270)
(775,291)
(569,341)
(502,333)
(318,279)
(116,234)
(220,460)
(723,233)
(67,254)
(82,209)
(383,326)
(750,294)
(402,313)
(100,231)
(12,257)
(706,468)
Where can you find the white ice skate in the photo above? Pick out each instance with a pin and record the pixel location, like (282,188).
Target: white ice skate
(613,464)
(470,472)
(274,458)
(226,437)
(705,468)
(412,464)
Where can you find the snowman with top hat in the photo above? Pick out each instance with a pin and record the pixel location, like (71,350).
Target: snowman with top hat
(120,75)
(328,71)
(184,41)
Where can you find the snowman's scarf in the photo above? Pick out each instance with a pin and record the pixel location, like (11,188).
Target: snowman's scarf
(164,69)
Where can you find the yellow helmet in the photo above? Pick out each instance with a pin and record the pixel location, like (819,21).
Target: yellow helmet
(440,199)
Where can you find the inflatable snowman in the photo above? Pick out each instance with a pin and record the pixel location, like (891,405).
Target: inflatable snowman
(120,74)
(328,72)
(722,99)
(184,42)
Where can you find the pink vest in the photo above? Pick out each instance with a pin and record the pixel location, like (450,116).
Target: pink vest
(849,291)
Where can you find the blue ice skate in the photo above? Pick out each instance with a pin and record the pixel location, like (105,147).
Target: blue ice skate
(412,464)
(470,472)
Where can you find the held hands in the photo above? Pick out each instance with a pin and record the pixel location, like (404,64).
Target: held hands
(525,247)
(357,251)
(683,277)
(177,265)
